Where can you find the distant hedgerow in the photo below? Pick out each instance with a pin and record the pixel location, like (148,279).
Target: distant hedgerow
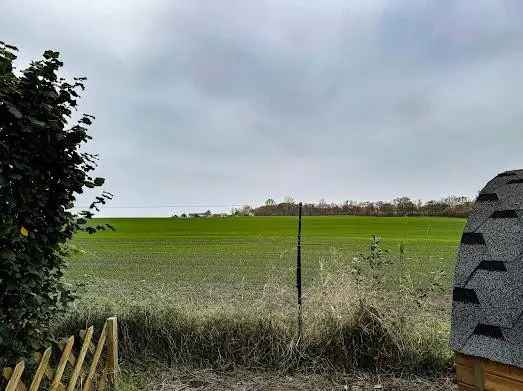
(41,171)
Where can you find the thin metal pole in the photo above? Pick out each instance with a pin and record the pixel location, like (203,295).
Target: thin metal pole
(298,276)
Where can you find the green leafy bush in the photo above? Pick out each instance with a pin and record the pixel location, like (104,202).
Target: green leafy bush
(41,171)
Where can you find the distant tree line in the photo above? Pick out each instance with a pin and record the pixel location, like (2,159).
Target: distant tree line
(453,206)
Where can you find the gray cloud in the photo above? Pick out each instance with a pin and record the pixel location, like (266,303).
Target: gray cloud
(229,102)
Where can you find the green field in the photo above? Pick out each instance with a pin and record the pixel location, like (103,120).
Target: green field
(208,261)
(219,293)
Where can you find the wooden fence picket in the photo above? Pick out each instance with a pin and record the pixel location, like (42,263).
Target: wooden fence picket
(83,374)
(64,359)
(96,357)
(42,369)
(15,383)
(80,359)
(112,349)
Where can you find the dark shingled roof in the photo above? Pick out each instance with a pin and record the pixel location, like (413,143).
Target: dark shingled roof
(487,308)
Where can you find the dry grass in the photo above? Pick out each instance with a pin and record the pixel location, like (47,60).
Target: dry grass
(177,379)
(350,324)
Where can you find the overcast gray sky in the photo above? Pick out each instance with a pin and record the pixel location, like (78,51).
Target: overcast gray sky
(231,101)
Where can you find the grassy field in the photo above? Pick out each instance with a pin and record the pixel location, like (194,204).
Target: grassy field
(208,262)
(219,293)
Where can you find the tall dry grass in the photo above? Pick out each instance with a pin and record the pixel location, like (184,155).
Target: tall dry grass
(350,322)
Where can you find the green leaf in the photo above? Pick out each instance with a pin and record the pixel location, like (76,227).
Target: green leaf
(99,181)
(50,54)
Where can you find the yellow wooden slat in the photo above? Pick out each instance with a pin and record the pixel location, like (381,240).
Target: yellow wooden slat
(108,337)
(21,386)
(40,371)
(80,359)
(112,348)
(92,347)
(71,359)
(7,373)
(14,380)
(49,373)
(96,358)
(55,386)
